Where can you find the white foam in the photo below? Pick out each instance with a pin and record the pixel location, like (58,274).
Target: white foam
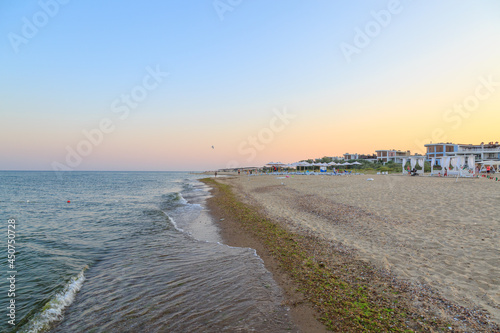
(54,309)
(181,198)
(173,223)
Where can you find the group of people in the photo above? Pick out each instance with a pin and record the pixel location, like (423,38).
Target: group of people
(489,170)
(412,172)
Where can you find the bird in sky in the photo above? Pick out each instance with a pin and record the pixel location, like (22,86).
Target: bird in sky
(213,147)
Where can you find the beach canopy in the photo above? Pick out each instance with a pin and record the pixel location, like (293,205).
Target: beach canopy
(490,163)
(356,163)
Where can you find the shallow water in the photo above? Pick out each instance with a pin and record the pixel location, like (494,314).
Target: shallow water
(132,252)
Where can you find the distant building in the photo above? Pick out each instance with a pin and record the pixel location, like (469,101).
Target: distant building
(371,158)
(439,150)
(392,155)
(482,152)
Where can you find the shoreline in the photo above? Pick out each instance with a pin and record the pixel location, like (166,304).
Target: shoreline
(302,314)
(424,307)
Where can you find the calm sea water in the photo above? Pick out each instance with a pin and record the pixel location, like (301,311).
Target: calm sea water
(131,252)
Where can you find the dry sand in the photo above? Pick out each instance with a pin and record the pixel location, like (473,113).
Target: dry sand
(433,231)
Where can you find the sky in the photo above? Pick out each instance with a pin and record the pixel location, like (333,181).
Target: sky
(202,85)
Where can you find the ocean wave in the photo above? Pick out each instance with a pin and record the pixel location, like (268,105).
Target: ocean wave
(172,200)
(53,310)
(172,221)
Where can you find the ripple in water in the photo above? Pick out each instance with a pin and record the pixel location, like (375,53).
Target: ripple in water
(177,278)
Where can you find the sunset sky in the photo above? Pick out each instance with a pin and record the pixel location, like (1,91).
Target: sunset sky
(153,85)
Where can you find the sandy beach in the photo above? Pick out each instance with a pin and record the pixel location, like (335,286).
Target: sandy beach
(429,231)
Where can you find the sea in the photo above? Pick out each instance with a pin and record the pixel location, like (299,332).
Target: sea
(125,252)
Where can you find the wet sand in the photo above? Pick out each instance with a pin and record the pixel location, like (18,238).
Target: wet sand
(435,232)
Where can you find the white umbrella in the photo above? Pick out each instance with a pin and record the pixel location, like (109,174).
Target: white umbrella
(325,165)
(276,164)
(321,164)
(356,163)
(302,164)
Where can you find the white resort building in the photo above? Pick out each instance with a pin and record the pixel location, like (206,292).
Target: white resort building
(482,152)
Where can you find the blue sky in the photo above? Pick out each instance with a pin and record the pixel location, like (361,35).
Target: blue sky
(225,77)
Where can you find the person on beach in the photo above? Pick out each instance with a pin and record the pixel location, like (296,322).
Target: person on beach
(238,172)
(445,172)
(488,169)
(215,174)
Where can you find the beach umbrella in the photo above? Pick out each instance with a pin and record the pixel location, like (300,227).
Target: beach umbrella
(318,164)
(303,164)
(277,164)
(356,163)
(332,164)
(345,164)
(323,165)
(297,165)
